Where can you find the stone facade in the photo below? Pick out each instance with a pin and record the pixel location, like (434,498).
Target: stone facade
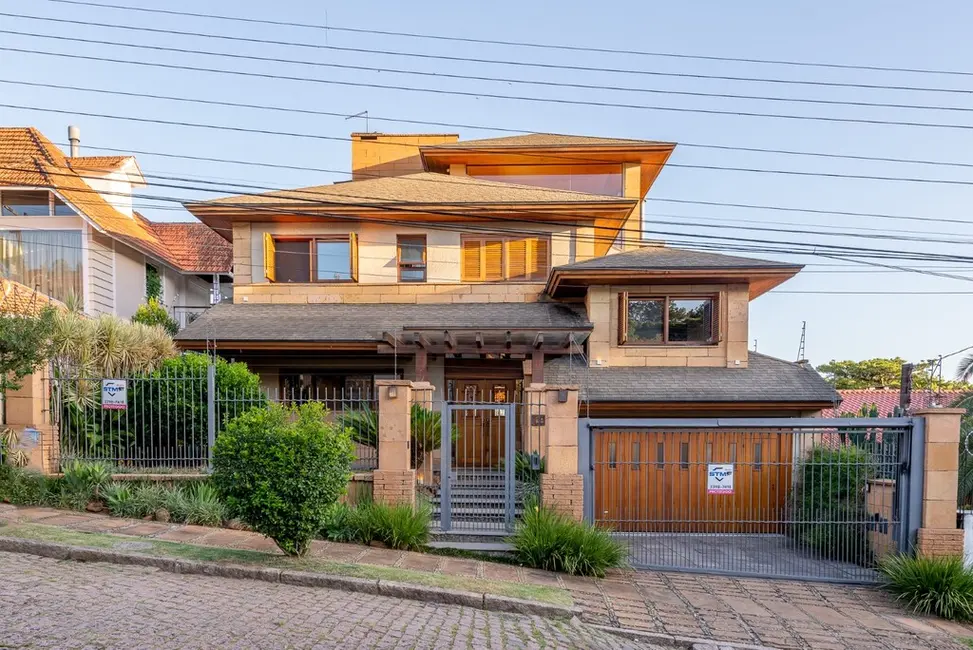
(940,542)
(564,493)
(938,534)
(394,486)
(395,480)
(562,486)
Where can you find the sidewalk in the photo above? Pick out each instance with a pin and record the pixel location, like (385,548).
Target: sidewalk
(784,614)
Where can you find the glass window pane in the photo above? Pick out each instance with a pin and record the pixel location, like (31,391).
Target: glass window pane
(293,261)
(645,320)
(24,204)
(412,258)
(605,180)
(611,455)
(660,454)
(333,260)
(61,209)
(691,320)
(684,455)
(46,260)
(636,455)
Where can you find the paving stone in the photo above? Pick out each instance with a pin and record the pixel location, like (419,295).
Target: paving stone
(380,557)
(420,562)
(457,567)
(146,529)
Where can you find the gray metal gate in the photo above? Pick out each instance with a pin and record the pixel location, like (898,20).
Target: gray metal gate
(798,498)
(477,487)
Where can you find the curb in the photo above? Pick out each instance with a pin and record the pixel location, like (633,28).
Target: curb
(488,602)
(677,641)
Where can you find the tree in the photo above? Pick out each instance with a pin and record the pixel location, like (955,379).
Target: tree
(25,344)
(882,373)
(153,313)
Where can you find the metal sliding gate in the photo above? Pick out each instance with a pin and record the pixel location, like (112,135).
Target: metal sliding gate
(800,498)
(477,491)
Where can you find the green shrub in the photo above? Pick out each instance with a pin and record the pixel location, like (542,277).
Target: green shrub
(942,586)
(86,476)
(546,539)
(204,506)
(402,526)
(177,504)
(24,487)
(338,524)
(153,314)
(282,470)
(149,498)
(830,503)
(121,501)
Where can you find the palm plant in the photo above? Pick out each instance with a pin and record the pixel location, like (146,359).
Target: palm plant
(964,371)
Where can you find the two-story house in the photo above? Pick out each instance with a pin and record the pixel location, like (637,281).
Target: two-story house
(483,266)
(69,230)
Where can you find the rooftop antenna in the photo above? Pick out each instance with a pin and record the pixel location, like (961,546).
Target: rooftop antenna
(362,114)
(755,345)
(800,348)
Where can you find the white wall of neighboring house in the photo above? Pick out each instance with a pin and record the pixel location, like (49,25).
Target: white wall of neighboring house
(115,187)
(100,274)
(129,280)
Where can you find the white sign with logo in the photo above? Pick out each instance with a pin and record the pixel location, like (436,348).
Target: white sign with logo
(114,394)
(719,479)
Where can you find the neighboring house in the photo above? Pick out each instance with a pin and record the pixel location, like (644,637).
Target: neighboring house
(68,229)
(484,266)
(20,300)
(884,401)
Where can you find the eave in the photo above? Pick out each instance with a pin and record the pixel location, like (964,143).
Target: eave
(330,346)
(574,283)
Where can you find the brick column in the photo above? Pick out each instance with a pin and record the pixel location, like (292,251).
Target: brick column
(394,480)
(27,413)
(938,534)
(562,487)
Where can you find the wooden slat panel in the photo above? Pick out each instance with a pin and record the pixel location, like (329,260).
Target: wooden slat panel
(517,252)
(539,263)
(493,260)
(270,258)
(471,266)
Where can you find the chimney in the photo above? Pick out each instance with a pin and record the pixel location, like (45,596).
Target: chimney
(74,137)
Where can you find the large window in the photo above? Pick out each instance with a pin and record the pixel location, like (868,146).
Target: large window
(411,254)
(31,203)
(311,259)
(496,259)
(46,260)
(605,180)
(668,320)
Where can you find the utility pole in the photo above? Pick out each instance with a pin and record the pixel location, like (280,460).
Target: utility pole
(800,348)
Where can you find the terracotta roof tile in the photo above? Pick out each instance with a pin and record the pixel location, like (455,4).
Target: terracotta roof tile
(886,399)
(17,298)
(544,140)
(27,158)
(196,247)
(420,188)
(98,163)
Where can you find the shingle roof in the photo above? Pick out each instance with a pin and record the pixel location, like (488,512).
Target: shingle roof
(28,159)
(19,299)
(544,140)
(421,188)
(368,322)
(886,400)
(663,257)
(98,163)
(765,379)
(196,247)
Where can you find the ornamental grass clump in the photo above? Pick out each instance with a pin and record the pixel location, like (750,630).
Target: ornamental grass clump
(942,586)
(282,470)
(546,539)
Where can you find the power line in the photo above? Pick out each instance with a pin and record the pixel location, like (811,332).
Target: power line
(479,94)
(320,46)
(225,127)
(551,46)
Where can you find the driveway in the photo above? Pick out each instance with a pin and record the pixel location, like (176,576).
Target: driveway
(45,603)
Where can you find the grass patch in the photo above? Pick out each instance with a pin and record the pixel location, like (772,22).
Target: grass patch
(161,548)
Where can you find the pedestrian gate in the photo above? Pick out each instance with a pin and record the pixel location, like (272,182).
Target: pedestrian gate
(801,498)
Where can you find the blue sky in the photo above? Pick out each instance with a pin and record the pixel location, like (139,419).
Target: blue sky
(891,34)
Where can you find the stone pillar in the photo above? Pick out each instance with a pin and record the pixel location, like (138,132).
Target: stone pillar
(562,487)
(27,414)
(938,534)
(394,481)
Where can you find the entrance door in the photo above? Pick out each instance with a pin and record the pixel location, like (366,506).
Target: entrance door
(480,440)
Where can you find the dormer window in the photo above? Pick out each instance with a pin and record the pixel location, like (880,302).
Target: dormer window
(668,320)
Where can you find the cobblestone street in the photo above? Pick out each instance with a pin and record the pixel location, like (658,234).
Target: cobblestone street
(45,603)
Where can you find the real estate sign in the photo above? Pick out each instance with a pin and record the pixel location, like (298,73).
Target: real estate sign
(114,394)
(719,479)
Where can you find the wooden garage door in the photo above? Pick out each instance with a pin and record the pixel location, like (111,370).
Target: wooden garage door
(656,480)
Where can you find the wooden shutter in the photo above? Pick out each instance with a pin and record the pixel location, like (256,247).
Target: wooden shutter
(538,264)
(470,264)
(270,258)
(517,264)
(493,260)
(622,317)
(353,246)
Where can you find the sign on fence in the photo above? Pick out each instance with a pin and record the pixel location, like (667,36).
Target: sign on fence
(114,394)
(719,479)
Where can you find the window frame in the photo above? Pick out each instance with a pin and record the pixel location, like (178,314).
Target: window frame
(412,266)
(312,240)
(505,241)
(624,297)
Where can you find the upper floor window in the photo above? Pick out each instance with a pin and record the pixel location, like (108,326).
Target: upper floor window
(311,259)
(602,179)
(18,203)
(49,261)
(411,254)
(495,259)
(668,320)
